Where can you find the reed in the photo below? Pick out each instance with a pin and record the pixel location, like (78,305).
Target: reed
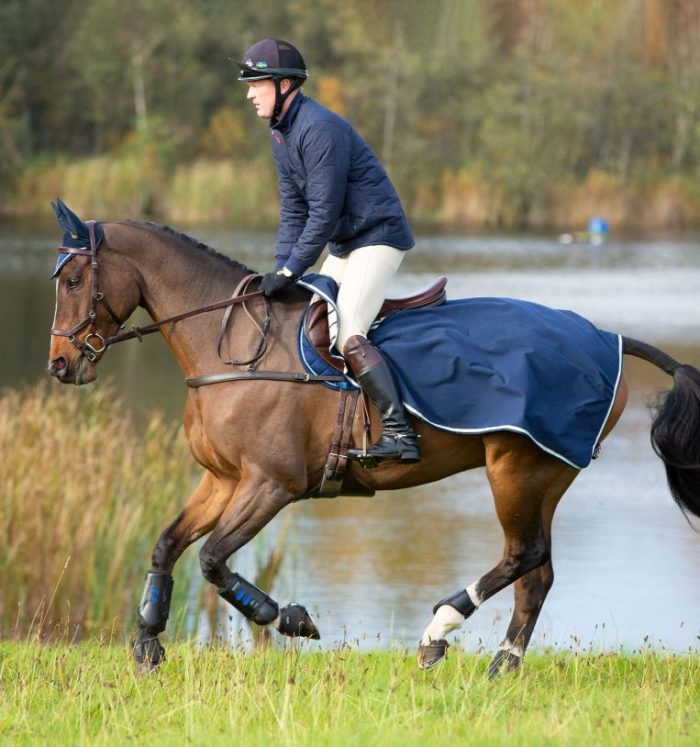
(205,191)
(243,193)
(84,497)
(667,203)
(106,187)
(222,192)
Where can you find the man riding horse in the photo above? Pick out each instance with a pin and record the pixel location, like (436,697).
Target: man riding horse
(334,192)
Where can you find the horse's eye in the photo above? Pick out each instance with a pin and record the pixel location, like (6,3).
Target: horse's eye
(73,282)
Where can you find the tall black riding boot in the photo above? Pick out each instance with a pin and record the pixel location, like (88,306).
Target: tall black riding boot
(398,439)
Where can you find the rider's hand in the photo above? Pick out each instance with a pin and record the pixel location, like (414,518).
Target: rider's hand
(275,282)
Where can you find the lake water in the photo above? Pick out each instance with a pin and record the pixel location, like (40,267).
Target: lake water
(370,569)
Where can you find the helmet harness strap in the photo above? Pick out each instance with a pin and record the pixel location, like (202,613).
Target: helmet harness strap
(280,97)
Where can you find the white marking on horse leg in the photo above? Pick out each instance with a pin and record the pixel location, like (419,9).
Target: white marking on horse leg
(446,619)
(474,594)
(516,649)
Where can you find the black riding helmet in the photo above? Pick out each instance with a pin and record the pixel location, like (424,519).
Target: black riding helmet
(274,59)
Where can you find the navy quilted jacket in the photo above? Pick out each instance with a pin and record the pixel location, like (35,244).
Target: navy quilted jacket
(333,189)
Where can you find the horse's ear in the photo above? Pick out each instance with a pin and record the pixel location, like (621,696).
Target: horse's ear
(69,221)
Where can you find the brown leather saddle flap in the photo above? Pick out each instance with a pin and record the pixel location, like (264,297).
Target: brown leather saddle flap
(316,326)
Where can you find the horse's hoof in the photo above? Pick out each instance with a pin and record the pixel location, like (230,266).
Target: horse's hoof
(503,661)
(432,653)
(296,622)
(148,654)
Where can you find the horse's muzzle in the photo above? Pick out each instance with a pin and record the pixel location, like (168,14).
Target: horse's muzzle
(81,371)
(58,367)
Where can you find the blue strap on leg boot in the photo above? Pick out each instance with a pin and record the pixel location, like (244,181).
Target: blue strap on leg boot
(155,602)
(250,601)
(398,439)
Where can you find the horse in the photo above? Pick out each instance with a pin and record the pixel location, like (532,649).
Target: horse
(262,444)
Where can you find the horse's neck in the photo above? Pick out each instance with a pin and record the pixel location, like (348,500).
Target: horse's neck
(175,278)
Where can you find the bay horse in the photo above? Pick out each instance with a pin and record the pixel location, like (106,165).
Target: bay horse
(263,444)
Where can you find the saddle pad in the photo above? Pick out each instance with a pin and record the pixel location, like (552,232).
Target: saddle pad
(326,288)
(480,365)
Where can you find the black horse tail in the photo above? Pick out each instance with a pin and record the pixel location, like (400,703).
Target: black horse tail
(675,429)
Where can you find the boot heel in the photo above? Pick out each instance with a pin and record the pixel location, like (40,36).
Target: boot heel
(410,452)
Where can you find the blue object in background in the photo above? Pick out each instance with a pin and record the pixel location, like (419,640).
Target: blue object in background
(597,230)
(598,225)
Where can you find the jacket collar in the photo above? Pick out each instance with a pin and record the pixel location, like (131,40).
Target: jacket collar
(285,124)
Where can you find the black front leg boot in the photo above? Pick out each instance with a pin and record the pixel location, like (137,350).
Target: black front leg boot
(250,601)
(398,439)
(152,617)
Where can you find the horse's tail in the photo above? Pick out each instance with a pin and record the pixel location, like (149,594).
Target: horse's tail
(675,429)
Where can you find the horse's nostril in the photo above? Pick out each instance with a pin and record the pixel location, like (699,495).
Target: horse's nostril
(58,366)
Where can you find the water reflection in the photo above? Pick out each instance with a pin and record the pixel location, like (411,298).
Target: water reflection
(371,569)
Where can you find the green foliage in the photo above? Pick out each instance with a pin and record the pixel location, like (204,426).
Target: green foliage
(90,695)
(521,95)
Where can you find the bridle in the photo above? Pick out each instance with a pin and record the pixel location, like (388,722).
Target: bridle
(93,344)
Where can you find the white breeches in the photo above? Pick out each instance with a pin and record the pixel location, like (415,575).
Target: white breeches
(363,276)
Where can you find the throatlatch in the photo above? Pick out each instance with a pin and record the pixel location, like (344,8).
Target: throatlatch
(155,603)
(250,601)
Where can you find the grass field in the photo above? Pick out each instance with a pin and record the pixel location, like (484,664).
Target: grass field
(83,484)
(89,694)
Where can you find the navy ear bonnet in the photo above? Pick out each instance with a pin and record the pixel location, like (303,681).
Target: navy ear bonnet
(76,234)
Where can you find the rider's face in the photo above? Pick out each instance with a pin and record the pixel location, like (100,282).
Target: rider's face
(262,94)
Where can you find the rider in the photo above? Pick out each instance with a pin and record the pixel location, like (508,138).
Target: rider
(334,192)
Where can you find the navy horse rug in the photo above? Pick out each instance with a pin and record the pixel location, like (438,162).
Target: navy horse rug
(478,365)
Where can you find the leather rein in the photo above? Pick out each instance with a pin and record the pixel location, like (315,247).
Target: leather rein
(93,344)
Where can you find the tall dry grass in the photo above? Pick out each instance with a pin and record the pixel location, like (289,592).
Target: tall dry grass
(205,191)
(222,191)
(229,191)
(670,203)
(84,498)
(105,187)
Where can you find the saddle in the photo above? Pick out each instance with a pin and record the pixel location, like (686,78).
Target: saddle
(316,322)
